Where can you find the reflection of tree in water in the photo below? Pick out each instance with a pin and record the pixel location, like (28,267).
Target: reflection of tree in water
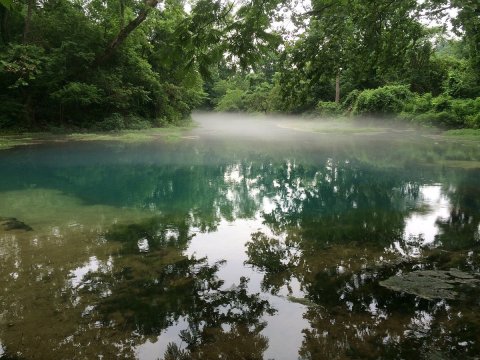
(339,202)
(227,326)
(153,286)
(461,230)
(393,328)
(197,181)
(331,222)
(333,242)
(351,316)
(336,215)
(197,189)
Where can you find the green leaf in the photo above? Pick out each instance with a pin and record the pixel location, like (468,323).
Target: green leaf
(7,3)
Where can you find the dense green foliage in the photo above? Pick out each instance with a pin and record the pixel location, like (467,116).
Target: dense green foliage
(132,64)
(385,100)
(444,111)
(389,59)
(115,64)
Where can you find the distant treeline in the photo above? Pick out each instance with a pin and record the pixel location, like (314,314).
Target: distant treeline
(383,57)
(113,64)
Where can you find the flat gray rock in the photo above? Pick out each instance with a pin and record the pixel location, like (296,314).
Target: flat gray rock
(432,284)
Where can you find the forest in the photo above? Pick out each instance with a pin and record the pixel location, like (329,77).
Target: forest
(126,64)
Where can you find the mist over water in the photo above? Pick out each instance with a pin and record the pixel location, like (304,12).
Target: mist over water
(252,237)
(289,128)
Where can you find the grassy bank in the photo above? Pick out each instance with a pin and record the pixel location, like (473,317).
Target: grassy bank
(467,134)
(168,134)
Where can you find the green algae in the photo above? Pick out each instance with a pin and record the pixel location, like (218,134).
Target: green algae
(339,127)
(168,134)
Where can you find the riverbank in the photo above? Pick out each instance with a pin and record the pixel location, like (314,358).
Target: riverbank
(314,124)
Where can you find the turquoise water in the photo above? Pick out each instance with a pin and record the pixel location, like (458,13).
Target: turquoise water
(246,239)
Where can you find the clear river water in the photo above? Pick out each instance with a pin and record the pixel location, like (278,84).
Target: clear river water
(247,238)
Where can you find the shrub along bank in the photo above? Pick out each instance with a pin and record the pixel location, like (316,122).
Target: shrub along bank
(397,101)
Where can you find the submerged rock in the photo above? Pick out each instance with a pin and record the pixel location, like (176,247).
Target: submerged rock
(432,284)
(13,224)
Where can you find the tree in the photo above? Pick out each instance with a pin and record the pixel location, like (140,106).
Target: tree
(466,25)
(372,43)
(135,59)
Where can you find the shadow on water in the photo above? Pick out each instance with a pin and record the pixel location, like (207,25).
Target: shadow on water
(321,220)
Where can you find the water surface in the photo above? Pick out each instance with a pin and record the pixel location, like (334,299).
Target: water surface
(250,238)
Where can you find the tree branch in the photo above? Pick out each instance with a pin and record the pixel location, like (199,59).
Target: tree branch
(318,11)
(124,32)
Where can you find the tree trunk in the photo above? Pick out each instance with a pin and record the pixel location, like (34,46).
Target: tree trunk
(29,111)
(28,19)
(4,24)
(122,14)
(337,89)
(124,32)
(62,114)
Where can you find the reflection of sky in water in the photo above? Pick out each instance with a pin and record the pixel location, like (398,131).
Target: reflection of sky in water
(150,350)
(228,243)
(93,264)
(420,324)
(421,226)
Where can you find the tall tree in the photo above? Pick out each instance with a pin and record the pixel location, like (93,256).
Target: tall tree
(466,24)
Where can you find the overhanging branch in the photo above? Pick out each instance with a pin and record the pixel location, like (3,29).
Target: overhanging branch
(124,32)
